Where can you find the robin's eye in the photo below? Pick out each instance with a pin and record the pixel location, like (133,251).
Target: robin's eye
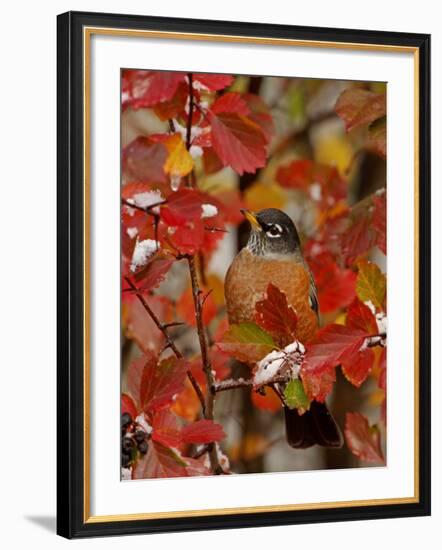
(274,231)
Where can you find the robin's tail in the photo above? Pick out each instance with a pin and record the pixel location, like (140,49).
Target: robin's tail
(316,426)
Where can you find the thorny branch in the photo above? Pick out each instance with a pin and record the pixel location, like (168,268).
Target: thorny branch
(169,342)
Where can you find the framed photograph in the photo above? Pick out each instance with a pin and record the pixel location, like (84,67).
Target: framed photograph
(236,202)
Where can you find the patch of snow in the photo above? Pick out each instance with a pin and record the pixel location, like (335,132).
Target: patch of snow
(269,367)
(381,321)
(370,306)
(142,252)
(195,151)
(315,191)
(146,199)
(132,232)
(141,420)
(175,182)
(126,474)
(208,211)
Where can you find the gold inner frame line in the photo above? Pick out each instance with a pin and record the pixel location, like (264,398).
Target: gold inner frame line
(87,33)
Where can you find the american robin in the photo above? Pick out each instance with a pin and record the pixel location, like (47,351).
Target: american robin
(273,255)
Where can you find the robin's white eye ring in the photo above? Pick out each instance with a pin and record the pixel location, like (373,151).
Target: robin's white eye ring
(274,231)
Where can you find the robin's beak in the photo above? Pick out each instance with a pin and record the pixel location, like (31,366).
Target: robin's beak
(251,218)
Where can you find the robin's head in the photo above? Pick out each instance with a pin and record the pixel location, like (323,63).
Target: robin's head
(273,233)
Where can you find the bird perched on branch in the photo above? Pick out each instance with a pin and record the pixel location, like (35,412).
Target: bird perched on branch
(273,255)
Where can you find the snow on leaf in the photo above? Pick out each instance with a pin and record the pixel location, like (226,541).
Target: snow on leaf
(371,284)
(274,315)
(202,431)
(146,199)
(246,342)
(284,362)
(142,252)
(363,441)
(161,382)
(238,141)
(143,160)
(356,107)
(208,211)
(160,462)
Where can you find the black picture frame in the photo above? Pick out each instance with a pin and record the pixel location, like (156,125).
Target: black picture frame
(71,520)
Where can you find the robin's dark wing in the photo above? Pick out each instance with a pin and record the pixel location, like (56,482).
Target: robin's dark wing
(313,293)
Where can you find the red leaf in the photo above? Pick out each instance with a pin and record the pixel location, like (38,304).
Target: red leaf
(188,239)
(139,325)
(183,206)
(231,102)
(135,375)
(357,239)
(357,368)
(161,382)
(143,160)
(165,429)
(304,174)
(360,316)
(174,106)
(336,287)
(377,137)
(196,467)
(260,113)
(363,441)
(202,431)
(160,462)
(333,344)
(238,142)
(356,107)
(247,342)
(148,88)
(380,220)
(153,274)
(128,405)
(213,82)
(211,161)
(274,315)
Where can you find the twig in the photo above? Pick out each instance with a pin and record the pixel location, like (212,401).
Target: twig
(170,343)
(210,399)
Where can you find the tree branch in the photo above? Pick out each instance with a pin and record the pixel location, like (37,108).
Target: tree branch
(207,368)
(170,343)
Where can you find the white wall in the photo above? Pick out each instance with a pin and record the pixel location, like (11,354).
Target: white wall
(27,218)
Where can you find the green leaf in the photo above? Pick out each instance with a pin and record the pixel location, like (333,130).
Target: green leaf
(371,284)
(295,397)
(247,342)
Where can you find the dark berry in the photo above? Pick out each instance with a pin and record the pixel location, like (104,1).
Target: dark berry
(142,447)
(126,420)
(126,459)
(140,436)
(127,444)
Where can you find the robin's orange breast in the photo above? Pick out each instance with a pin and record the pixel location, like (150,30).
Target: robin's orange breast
(246,283)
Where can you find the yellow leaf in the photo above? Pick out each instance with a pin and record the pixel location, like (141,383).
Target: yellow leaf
(371,284)
(261,195)
(179,161)
(334,150)
(377,397)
